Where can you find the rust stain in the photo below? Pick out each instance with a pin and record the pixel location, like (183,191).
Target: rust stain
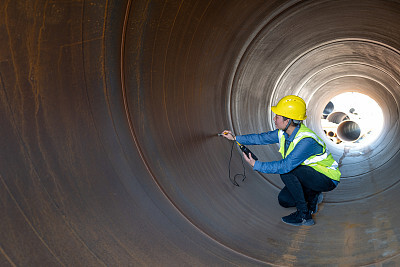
(289,258)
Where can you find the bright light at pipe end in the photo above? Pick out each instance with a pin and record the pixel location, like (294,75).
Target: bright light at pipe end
(352,119)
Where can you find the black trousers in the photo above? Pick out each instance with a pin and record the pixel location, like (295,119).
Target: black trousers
(302,185)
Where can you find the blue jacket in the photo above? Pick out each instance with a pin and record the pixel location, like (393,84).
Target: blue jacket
(302,151)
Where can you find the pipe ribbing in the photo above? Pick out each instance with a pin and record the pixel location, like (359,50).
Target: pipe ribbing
(110,111)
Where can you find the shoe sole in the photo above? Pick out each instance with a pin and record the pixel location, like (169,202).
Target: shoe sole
(305,223)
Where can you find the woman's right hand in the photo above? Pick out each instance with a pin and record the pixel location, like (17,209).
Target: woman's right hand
(228,135)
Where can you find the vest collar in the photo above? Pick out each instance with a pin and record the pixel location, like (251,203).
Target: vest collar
(293,135)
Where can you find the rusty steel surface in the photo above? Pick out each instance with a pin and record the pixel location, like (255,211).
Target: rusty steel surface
(109,118)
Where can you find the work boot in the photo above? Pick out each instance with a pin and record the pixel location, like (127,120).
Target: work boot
(313,205)
(299,218)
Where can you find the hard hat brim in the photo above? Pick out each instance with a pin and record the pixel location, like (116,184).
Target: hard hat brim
(275,110)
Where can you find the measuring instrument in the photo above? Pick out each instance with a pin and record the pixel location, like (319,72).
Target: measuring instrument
(247,152)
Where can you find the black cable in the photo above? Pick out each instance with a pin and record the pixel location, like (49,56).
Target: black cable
(233,181)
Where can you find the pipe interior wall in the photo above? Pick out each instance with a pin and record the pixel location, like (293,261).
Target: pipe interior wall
(110,112)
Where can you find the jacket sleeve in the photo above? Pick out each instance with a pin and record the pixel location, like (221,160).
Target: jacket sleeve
(270,137)
(303,150)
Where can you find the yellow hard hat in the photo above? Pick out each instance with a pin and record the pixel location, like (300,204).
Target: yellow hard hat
(292,107)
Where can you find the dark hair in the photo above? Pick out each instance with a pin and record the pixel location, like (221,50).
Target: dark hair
(295,122)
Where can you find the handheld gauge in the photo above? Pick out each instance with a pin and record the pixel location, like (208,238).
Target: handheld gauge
(247,151)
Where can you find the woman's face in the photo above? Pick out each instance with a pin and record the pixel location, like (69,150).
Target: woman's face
(280,123)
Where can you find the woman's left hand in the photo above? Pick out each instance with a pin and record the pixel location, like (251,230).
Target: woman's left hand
(249,159)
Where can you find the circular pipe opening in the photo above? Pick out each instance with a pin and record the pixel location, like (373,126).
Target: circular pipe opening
(331,134)
(348,131)
(328,109)
(356,118)
(337,117)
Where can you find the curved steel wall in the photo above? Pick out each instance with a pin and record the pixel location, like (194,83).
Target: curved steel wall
(109,115)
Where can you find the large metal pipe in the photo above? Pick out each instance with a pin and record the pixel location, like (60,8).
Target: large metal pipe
(328,109)
(109,114)
(349,131)
(337,117)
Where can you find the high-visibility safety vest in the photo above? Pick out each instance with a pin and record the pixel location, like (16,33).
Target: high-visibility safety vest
(323,163)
